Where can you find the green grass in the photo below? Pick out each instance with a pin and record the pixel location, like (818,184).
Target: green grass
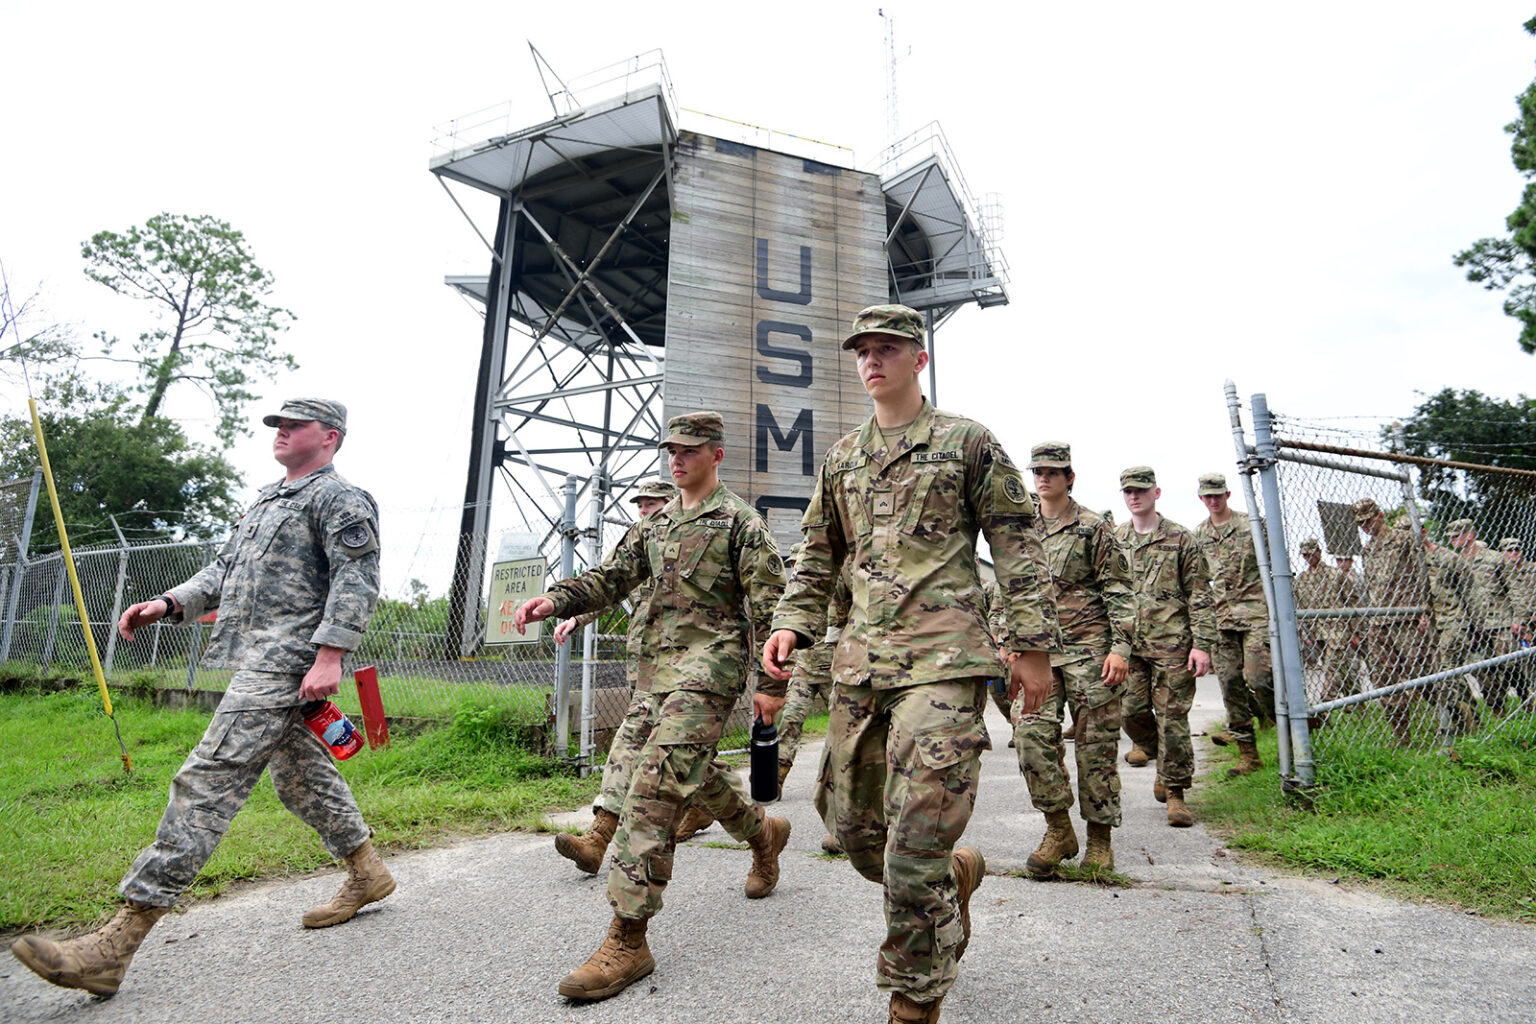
(1445,828)
(71,821)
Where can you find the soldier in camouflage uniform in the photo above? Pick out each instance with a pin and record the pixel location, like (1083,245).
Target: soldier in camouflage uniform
(1326,640)
(1394,578)
(1241,658)
(1453,609)
(900,503)
(714,575)
(294,586)
(1175,630)
(1493,624)
(1091,588)
(1520,578)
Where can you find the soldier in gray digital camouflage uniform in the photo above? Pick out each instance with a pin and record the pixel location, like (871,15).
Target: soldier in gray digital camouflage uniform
(294,586)
(900,503)
(714,576)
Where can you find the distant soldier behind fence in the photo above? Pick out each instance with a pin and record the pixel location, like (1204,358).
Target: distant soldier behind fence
(1520,576)
(1242,657)
(1494,621)
(1175,631)
(1453,610)
(294,586)
(1394,578)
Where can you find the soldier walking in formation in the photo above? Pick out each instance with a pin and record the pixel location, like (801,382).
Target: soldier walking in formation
(1091,587)
(1320,586)
(1453,608)
(294,586)
(1175,630)
(900,502)
(1493,617)
(1242,658)
(714,575)
(1394,578)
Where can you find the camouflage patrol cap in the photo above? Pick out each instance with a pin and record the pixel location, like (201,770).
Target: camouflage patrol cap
(1311,546)
(1459,526)
(1212,483)
(1050,455)
(694,428)
(662,489)
(1509,544)
(896,321)
(325,410)
(1364,509)
(1138,476)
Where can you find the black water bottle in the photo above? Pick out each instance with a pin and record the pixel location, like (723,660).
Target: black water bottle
(765,762)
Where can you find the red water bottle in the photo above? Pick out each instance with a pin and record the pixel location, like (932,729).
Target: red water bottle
(335,729)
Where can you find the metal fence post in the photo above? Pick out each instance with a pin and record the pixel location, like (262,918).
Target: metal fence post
(568,534)
(117,596)
(23,545)
(53,621)
(589,637)
(1247,466)
(1304,771)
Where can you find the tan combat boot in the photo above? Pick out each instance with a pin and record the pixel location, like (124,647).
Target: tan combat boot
(783,774)
(621,960)
(94,961)
(1058,844)
(905,1011)
(970,868)
(829,844)
(1247,763)
(1136,757)
(1159,791)
(368,881)
(766,847)
(1178,813)
(1222,739)
(1098,856)
(588,850)
(695,820)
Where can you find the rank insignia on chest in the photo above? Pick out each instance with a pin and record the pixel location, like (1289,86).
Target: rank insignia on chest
(882,503)
(950,456)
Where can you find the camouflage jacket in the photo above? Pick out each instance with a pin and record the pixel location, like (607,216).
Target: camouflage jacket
(300,571)
(1235,578)
(1173,591)
(1494,611)
(908,520)
(814,666)
(1324,587)
(637,667)
(1394,571)
(1522,592)
(714,574)
(1091,585)
(1453,594)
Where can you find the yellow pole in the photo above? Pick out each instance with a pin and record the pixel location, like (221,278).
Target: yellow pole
(74,579)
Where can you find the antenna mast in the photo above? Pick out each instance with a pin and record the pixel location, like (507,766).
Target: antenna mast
(892,112)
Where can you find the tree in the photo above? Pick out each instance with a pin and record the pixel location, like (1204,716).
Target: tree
(1509,264)
(1468,426)
(216,330)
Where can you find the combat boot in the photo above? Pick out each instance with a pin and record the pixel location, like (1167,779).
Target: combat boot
(1098,856)
(1159,791)
(905,1011)
(695,820)
(1178,813)
(1137,757)
(829,844)
(95,961)
(970,868)
(1058,844)
(766,847)
(783,774)
(588,850)
(621,960)
(368,881)
(1248,762)
(1222,739)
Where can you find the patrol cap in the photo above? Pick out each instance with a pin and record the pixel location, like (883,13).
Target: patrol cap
(694,428)
(326,410)
(1050,455)
(1459,526)
(662,489)
(1365,509)
(1138,476)
(1509,544)
(896,321)
(1310,546)
(1212,483)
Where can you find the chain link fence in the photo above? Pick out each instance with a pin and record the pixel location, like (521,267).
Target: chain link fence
(1402,600)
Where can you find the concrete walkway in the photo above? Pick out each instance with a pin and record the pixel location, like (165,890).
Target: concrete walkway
(484,930)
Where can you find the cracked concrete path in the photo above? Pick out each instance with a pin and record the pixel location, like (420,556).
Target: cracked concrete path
(484,930)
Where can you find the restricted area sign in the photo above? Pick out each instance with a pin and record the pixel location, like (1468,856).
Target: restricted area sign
(512,583)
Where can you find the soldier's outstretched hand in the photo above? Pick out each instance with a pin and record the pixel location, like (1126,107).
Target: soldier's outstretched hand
(564,630)
(777,652)
(536,610)
(145,613)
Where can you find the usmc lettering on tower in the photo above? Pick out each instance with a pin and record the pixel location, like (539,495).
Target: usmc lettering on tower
(784,422)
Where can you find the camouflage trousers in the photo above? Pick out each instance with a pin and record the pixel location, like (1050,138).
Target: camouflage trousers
(1496,682)
(214,783)
(677,734)
(1453,697)
(1096,709)
(1337,661)
(1155,712)
(1398,653)
(1242,665)
(897,788)
(810,681)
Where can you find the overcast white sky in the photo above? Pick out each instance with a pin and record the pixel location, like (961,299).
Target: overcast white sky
(1193,191)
